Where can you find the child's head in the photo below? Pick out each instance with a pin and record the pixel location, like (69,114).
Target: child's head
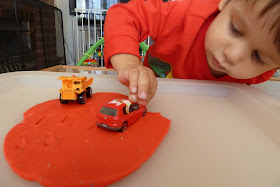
(244,39)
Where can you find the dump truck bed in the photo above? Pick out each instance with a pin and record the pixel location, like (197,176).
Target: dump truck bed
(88,82)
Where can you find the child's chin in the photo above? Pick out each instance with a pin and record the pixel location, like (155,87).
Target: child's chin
(216,73)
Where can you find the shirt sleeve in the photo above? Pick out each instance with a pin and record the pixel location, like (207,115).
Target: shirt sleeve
(128,24)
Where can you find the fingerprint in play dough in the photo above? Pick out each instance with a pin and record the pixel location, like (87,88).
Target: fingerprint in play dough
(61,145)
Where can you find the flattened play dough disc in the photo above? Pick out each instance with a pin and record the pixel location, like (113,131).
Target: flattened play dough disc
(60,144)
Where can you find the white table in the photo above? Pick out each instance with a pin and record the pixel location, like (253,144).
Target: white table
(221,134)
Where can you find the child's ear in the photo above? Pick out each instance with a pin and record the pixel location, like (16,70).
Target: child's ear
(222,4)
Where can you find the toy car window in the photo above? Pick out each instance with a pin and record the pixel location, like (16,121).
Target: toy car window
(135,106)
(109,111)
(124,110)
(76,82)
(130,109)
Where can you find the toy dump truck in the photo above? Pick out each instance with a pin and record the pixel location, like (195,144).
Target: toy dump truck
(75,89)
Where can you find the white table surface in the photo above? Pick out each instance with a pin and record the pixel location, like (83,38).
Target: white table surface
(221,134)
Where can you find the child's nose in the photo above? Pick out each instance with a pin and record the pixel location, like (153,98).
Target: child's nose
(235,54)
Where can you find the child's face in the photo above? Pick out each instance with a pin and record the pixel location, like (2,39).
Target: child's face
(239,43)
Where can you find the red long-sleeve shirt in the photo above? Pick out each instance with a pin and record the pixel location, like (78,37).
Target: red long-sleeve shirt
(178,28)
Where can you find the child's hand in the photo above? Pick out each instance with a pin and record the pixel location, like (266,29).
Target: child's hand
(140,80)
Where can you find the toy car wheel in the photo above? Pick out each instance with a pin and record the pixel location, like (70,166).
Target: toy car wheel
(124,127)
(82,99)
(89,92)
(62,101)
(144,113)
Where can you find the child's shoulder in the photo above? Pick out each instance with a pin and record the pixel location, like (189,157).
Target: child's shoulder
(203,7)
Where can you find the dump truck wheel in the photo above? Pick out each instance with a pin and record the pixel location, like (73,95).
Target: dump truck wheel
(62,101)
(89,92)
(82,99)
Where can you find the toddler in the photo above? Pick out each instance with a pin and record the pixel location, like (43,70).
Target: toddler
(224,40)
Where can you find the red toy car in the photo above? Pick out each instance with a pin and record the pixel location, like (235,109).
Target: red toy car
(119,114)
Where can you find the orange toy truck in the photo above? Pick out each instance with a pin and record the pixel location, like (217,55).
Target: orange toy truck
(75,88)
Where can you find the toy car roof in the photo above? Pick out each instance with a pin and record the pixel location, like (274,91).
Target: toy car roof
(118,103)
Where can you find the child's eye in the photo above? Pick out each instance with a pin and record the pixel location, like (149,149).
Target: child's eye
(257,56)
(235,30)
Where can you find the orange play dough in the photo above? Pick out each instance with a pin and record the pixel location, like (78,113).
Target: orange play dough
(61,145)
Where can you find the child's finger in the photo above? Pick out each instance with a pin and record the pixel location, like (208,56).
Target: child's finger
(142,102)
(133,81)
(133,97)
(152,90)
(143,85)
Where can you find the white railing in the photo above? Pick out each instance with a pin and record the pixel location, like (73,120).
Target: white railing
(88,28)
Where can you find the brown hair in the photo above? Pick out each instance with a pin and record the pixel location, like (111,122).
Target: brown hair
(272,5)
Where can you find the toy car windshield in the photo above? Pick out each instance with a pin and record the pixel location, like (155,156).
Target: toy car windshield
(109,111)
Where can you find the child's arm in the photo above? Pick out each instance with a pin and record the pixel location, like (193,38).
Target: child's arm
(140,80)
(128,24)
